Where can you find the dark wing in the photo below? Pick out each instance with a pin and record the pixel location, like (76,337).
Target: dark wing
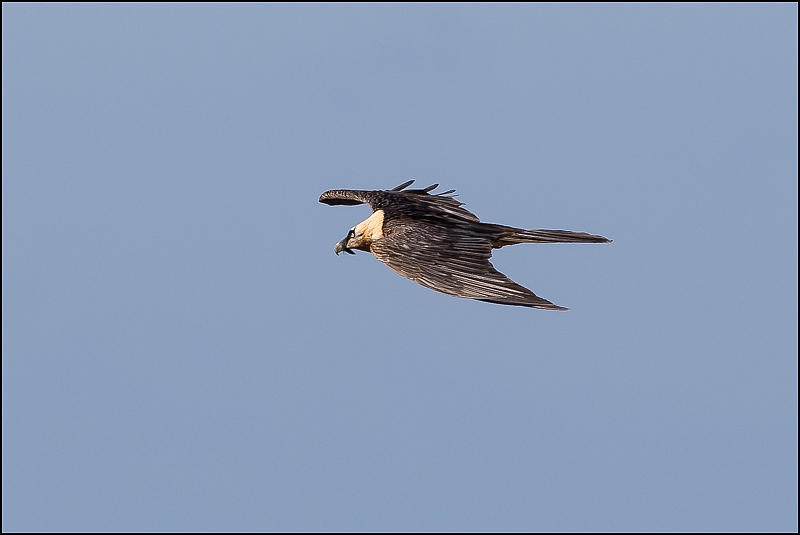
(451,260)
(400,202)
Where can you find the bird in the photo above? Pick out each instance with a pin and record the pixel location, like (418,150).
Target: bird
(434,241)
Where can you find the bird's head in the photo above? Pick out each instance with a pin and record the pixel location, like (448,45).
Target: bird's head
(362,235)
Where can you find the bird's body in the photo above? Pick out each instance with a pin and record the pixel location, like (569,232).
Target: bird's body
(433,241)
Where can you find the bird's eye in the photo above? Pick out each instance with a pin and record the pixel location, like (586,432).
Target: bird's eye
(352,233)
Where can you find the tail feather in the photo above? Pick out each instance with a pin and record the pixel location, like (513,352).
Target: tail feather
(512,236)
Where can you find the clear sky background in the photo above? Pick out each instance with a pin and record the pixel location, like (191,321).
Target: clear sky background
(182,350)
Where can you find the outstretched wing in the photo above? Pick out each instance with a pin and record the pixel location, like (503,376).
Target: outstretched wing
(400,202)
(451,260)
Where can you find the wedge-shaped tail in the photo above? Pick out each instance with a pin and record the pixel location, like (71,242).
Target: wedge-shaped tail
(512,236)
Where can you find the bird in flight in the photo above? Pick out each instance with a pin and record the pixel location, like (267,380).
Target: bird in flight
(433,241)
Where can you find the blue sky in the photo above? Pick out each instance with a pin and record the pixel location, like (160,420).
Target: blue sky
(183,351)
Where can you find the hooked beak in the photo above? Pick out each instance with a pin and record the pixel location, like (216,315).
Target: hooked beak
(342,246)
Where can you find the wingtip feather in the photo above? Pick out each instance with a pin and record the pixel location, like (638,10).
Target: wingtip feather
(402,186)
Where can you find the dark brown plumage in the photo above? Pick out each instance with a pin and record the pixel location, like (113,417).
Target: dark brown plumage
(434,241)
